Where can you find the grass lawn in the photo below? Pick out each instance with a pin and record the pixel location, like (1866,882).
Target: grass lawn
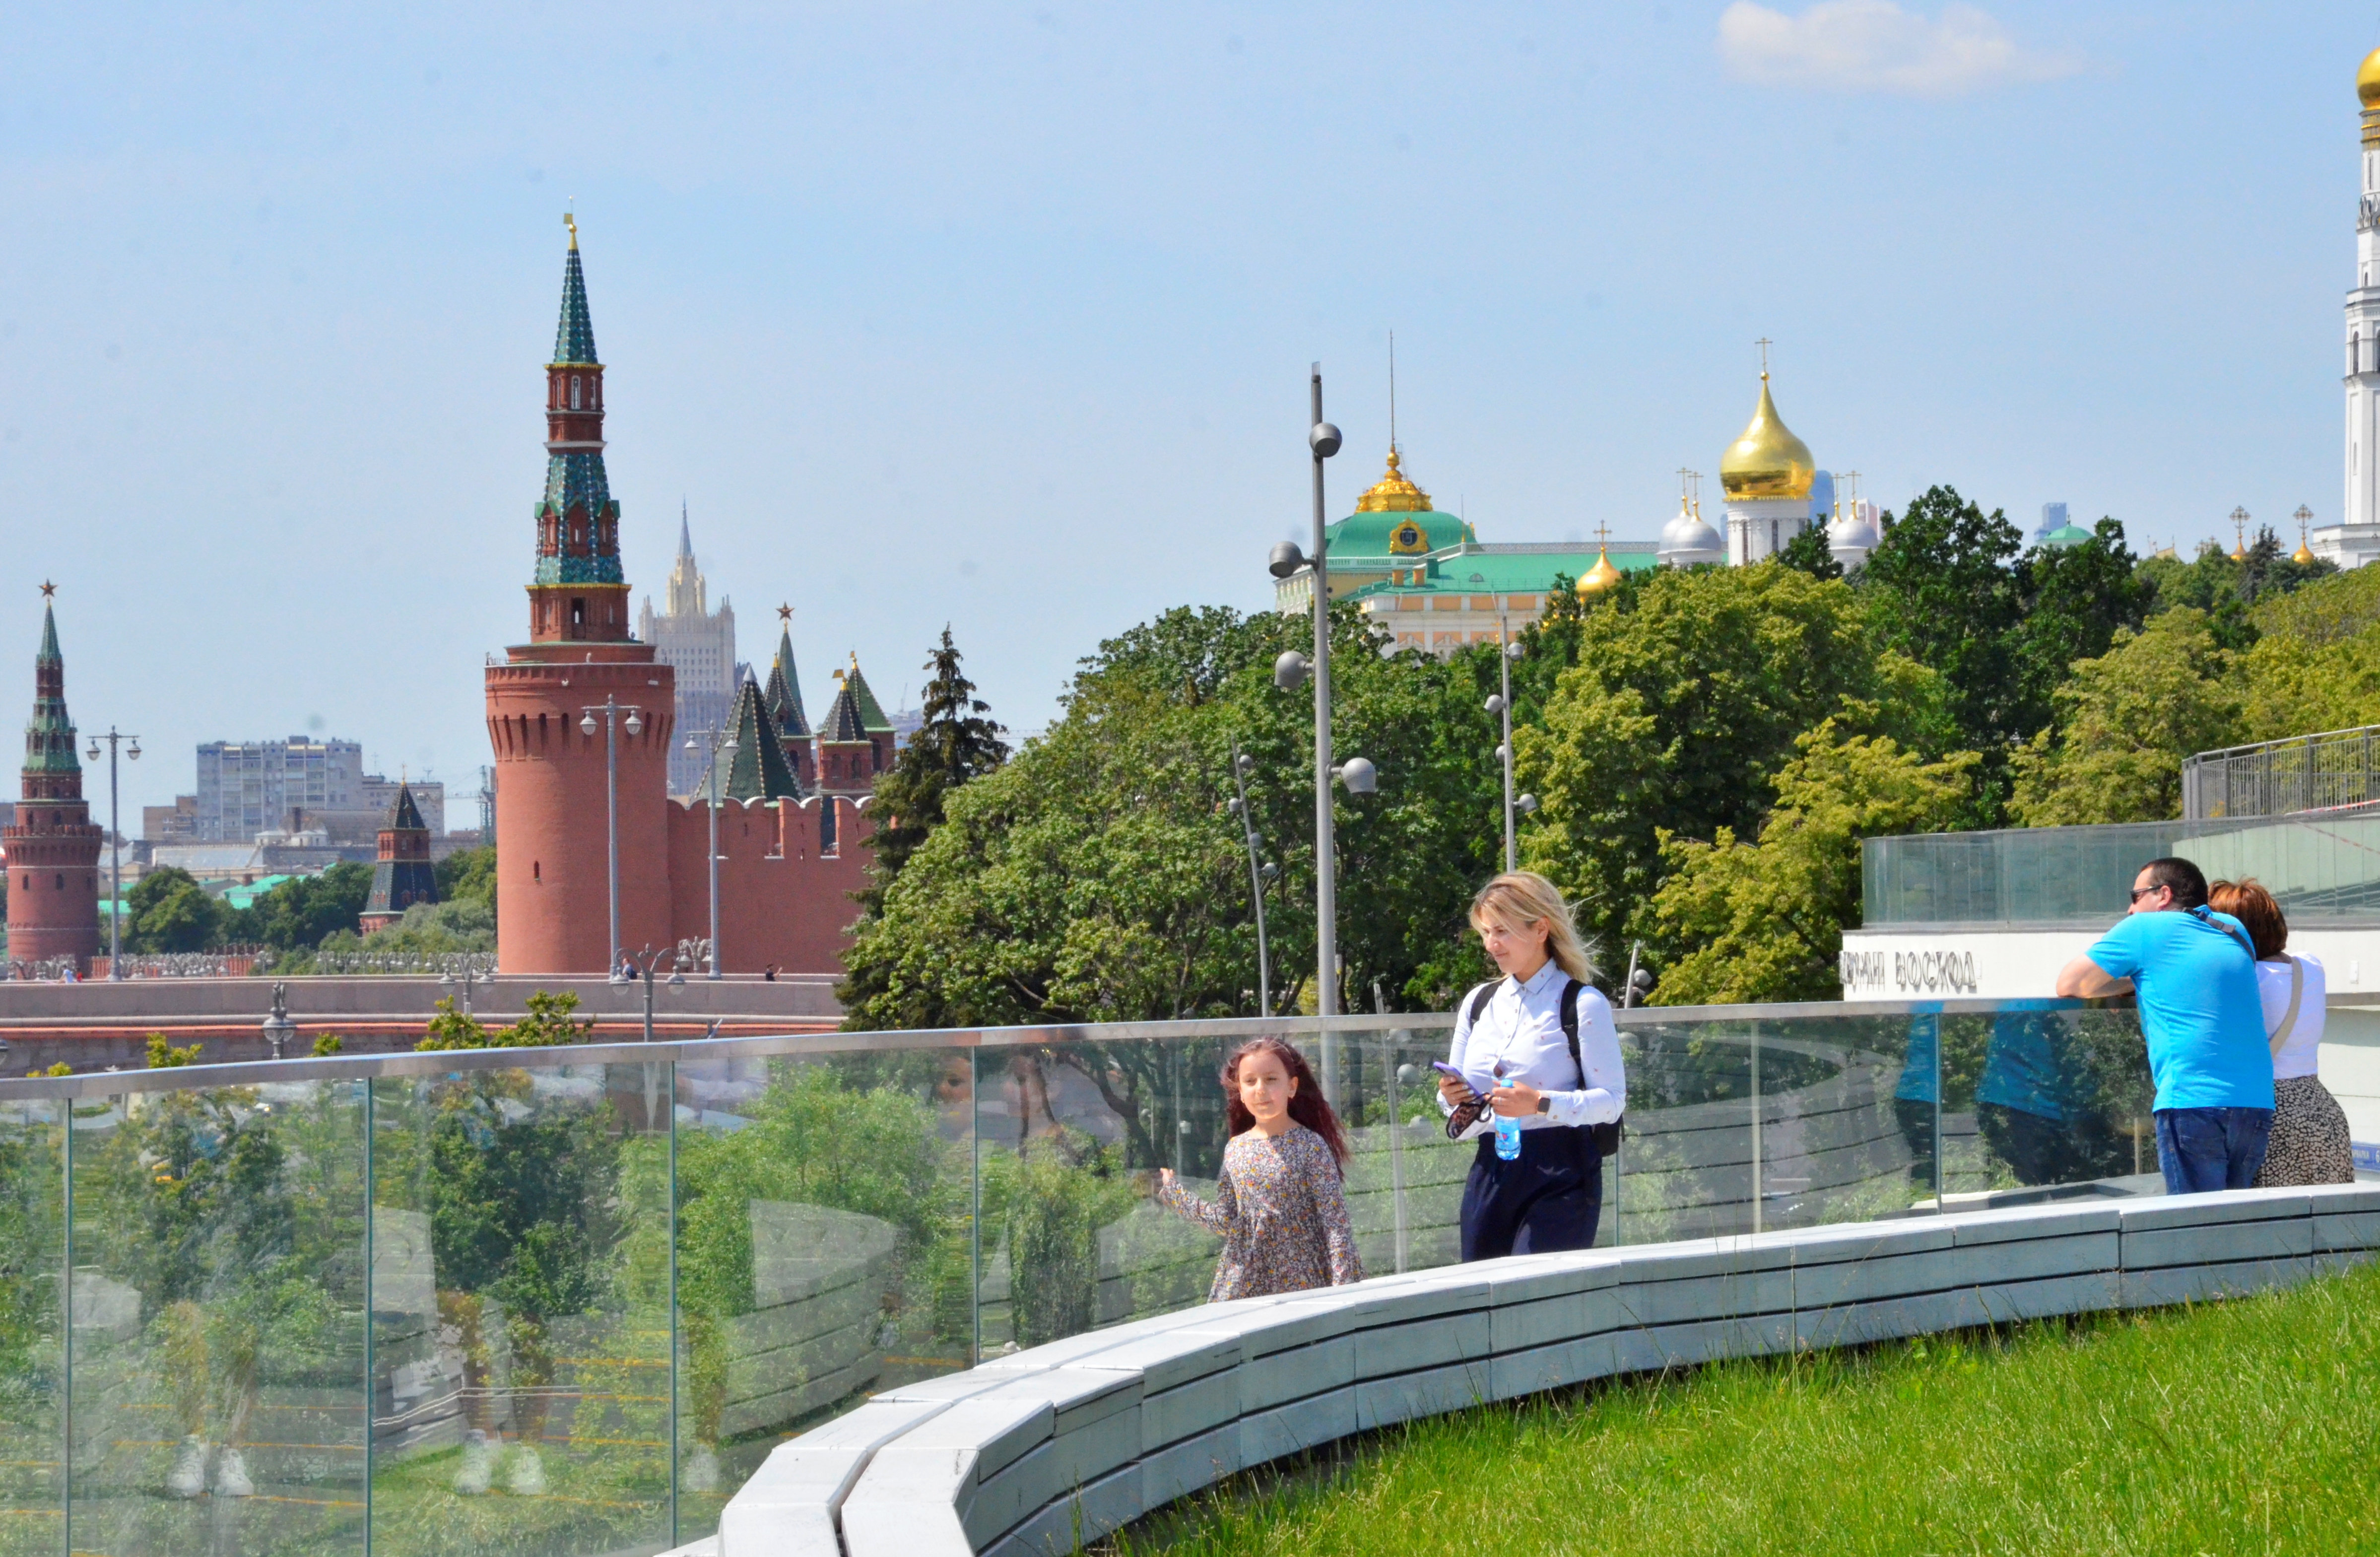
(2249,1426)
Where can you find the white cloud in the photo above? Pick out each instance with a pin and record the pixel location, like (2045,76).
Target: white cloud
(1874,45)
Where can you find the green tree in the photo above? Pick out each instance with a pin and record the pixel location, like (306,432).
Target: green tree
(954,743)
(2076,600)
(467,875)
(1765,921)
(2126,720)
(549,1022)
(2315,664)
(166,910)
(1943,589)
(1807,553)
(301,912)
(1686,700)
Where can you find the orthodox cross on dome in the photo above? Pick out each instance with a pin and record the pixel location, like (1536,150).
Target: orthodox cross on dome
(1602,537)
(1764,342)
(2239,524)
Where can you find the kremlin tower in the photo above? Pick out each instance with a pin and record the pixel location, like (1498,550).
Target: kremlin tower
(546,704)
(402,875)
(53,849)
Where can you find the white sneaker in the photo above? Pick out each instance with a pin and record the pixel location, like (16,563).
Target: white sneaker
(231,1476)
(478,1468)
(526,1477)
(701,1473)
(188,1477)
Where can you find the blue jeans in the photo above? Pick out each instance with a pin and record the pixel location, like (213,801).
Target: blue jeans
(2203,1149)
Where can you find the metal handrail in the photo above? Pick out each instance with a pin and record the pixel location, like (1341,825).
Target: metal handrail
(446,1062)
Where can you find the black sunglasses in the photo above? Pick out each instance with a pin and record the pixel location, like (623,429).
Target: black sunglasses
(2139,893)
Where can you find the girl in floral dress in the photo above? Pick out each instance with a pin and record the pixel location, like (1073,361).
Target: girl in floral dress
(1278,1205)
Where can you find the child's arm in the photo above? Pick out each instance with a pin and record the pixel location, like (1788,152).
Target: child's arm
(1219,1216)
(1331,1203)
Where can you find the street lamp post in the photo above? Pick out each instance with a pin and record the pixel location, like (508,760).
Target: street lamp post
(678,976)
(722,745)
(1240,769)
(1502,704)
(611,709)
(115,847)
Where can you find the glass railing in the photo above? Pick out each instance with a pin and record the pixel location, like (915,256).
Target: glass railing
(562,1302)
(2319,867)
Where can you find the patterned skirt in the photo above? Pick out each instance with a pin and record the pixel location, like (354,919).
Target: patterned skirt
(2310,1143)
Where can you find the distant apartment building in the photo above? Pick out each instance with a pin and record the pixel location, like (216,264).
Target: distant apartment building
(248,787)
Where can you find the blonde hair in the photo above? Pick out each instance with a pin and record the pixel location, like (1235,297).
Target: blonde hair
(1524,900)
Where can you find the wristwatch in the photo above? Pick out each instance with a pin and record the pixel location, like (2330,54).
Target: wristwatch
(1545,1103)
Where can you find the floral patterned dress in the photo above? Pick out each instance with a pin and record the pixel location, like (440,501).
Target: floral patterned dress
(1280,1211)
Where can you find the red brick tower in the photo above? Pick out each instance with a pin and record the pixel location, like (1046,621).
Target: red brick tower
(53,849)
(552,911)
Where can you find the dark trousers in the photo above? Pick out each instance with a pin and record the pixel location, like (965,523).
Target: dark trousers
(1547,1198)
(2207,1149)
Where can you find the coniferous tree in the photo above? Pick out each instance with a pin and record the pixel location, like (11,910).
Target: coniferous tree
(955,743)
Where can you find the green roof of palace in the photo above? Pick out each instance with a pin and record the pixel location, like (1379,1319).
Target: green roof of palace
(1505,573)
(1367,535)
(2067,535)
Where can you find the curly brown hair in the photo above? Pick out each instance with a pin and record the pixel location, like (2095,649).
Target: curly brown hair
(1306,1104)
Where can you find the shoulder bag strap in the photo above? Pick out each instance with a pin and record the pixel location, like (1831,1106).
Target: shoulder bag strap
(1479,998)
(2280,1035)
(1570,1025)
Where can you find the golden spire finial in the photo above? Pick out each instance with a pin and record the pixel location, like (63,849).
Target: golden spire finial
(2304,554)
(2240,524)
(571,221)
(1392,397)
(1602,575)
(1764,342)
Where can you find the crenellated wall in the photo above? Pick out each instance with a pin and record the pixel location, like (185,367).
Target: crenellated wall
(783,898)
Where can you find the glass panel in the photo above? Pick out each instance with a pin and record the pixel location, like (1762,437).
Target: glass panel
(2041,1105)
(825,1247)
(218,1369)
(1404,1184)
(32,1349)
(1846,1119)
(521,1390)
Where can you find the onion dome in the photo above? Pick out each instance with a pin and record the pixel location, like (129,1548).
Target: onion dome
(1394,493)
(1599,578)
(1687,533)
(2367,80)
(1853,529)
(1767,461)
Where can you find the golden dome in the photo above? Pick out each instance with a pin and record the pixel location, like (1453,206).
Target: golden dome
(2302,557)
(2367,80)
(1392,493)
(1599,578)
(1767,461)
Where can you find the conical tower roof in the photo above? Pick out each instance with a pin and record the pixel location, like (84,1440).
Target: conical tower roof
(871,717)
(575,341)
(844,721)
(405,817)
(758,770)
(783,696)
(50,733)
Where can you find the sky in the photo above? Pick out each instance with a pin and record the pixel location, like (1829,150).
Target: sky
(1000,317)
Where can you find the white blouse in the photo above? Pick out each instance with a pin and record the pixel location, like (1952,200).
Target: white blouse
(1520,1034)
(2301,1048)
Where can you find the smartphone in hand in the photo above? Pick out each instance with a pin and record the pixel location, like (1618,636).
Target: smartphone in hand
(1446,1070)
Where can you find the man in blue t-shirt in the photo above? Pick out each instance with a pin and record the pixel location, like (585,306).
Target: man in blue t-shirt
(2196,975)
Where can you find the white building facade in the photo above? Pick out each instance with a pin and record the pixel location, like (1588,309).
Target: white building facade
(700,644)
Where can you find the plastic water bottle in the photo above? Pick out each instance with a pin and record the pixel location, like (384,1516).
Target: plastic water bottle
(1508,1129)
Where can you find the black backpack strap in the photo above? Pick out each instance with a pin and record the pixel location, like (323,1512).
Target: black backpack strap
(1480,997)
(1606,1136)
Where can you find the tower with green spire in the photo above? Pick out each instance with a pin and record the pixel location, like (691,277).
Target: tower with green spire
(577,592)
(758,771)
(784,701)
(53,848)
(402,875)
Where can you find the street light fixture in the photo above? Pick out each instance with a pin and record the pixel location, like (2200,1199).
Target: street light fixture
(611,709)
(722,745)
(1260,872)
(115,847)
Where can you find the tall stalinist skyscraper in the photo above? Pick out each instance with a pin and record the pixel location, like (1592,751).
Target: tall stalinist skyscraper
(2356,539)
(699,644)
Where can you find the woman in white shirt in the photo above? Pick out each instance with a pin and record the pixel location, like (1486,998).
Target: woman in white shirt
(1515,1058)
(2310,1142)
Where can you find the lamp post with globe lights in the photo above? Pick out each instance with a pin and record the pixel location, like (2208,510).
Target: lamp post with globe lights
(722,745)
(1293,668)
(1260,872)
(115,847)
(612,708)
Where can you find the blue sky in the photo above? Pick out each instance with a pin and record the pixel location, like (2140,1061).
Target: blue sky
(1000,316)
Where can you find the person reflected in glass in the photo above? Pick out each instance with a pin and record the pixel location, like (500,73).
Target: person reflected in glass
(2195,972)
(2310,1142)
(1537,1045)
(1281,1204)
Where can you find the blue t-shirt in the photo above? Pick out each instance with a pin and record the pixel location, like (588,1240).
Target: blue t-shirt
(2198,1008)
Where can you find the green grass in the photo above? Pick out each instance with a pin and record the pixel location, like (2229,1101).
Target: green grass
(2247,1425)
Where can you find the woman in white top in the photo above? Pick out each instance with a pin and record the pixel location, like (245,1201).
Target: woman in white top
(1514,1056)
(2309,1143)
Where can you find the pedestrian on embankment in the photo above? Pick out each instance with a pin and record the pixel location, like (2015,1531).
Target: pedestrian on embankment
(2195,972)
(1537,1046)
(1281,1204)
(2310,1143)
